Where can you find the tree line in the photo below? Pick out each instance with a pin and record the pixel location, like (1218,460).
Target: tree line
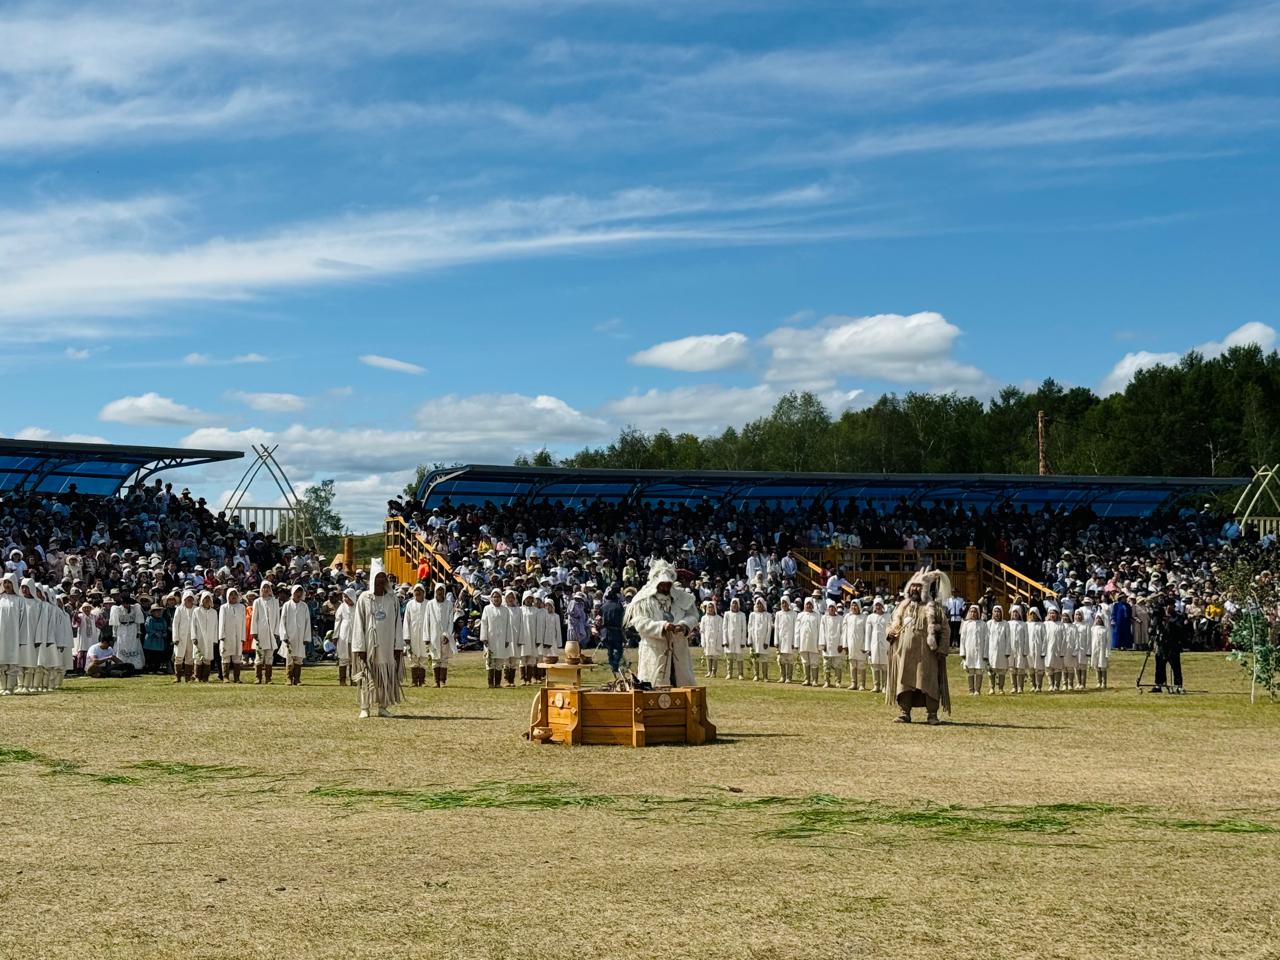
(1200,417)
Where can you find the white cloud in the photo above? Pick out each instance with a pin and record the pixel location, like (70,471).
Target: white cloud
(74,353)
(129,257)
(390,363)
(697,354)
(709,408)
(207,360)
(697,409)
(914,351)
(1123,372)
(40,433)
(270,402)
(151,409)
(507,419)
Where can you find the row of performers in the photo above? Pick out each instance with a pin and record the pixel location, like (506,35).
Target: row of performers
(1021,648)
(36,639)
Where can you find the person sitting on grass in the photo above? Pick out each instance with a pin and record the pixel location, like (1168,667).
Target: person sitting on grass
(101,661)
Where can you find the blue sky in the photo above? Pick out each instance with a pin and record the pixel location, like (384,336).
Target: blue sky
(219,222)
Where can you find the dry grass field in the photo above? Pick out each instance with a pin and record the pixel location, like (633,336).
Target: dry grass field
(144,820)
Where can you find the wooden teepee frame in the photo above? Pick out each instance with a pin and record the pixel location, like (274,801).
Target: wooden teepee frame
(290,519)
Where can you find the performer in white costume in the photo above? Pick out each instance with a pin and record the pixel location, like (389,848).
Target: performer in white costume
(663,613)
(973,648)
(855,645)
(759,631)
(294,632)
(784,635)
(711,635)
(377,645)
(231,617)
(831,643)
(998,649)
(877,643)
(184,638)
(735,638)
(807,626)
(204,636)
(266,622)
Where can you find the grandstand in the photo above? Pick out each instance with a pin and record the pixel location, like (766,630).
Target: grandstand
(93,469)
(973,569)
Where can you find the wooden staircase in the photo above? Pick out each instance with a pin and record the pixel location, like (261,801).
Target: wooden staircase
(405,549)
(885,572)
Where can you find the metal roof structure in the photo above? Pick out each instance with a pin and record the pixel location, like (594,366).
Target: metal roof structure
(96,469)
(1107,496)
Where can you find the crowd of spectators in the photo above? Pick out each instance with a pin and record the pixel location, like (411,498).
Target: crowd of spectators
(140,551)
(1166,563)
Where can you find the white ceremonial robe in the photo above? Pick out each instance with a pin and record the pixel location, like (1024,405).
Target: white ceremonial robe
(854,637)
(735,633)
(759,630)
(437,629)
(265,626)
(342,632)
(877,639)
(1099,647)
(231,631)
(784,632)
(184,634)
(126,627)
(86,628)
(998,645)
(1055,645)
(495,636)
(1019,655)
(552,634)
(973,644)
(1036,645)
(711,631)
(531,627)
(830,641)
(11,616)
(295,628)
(807,626)
(414,631)
(377,633)
(665,660)
(205,634)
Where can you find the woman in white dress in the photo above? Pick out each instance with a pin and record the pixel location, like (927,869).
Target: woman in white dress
(1019,655)
(998,648)
(784,636)
(876,644)
(855,645)
(735,638)
(973,648)
(759,632)
(711,632)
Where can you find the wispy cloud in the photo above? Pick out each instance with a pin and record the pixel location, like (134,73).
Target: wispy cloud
(270,402)
(152,410)
(96,272)
(391,363)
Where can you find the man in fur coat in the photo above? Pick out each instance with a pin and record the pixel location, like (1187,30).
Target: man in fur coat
(918,641)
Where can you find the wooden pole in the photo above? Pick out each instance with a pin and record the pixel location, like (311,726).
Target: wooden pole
(1044,461)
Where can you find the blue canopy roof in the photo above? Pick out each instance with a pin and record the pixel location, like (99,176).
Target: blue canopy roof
(1114,496)
(96,469)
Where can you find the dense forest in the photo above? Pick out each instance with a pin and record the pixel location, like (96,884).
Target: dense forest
(1202,417)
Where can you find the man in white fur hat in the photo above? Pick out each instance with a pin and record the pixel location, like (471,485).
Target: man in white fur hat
(918,638)
(663,613)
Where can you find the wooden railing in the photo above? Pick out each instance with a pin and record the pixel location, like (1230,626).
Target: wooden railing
(405,549)
(1009,584)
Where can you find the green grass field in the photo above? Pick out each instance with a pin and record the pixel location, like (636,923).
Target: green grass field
(146,820)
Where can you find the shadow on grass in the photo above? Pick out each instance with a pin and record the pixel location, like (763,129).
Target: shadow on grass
(427,716)
(723,738)
(986,726)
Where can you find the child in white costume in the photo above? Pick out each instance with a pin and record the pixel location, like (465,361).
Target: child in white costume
(231,619)
(876,643)
(1036,648)
(1084,648)
(807,626)
(784,636)
(1056,640)
(973,648)
(711,630)
(855,645)
(735,638)
(759,630)
(831,643)
(1100,648)
(1019,654)
(998,648)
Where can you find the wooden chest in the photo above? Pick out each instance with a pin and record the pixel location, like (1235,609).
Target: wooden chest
(638,718)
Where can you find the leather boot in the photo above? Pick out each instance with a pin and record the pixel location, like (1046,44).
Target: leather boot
(420,678)
(235,673)
(177,672)
(342,675)
(511,676)
(436,673)
(764,672)
(257,672)
(267,669)
(444,676)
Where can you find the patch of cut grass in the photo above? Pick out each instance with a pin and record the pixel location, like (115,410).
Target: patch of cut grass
(1220,826)
(18,755)
(193,772)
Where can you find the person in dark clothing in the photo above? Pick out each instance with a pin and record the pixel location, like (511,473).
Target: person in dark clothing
(611,628)
(1169,640)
